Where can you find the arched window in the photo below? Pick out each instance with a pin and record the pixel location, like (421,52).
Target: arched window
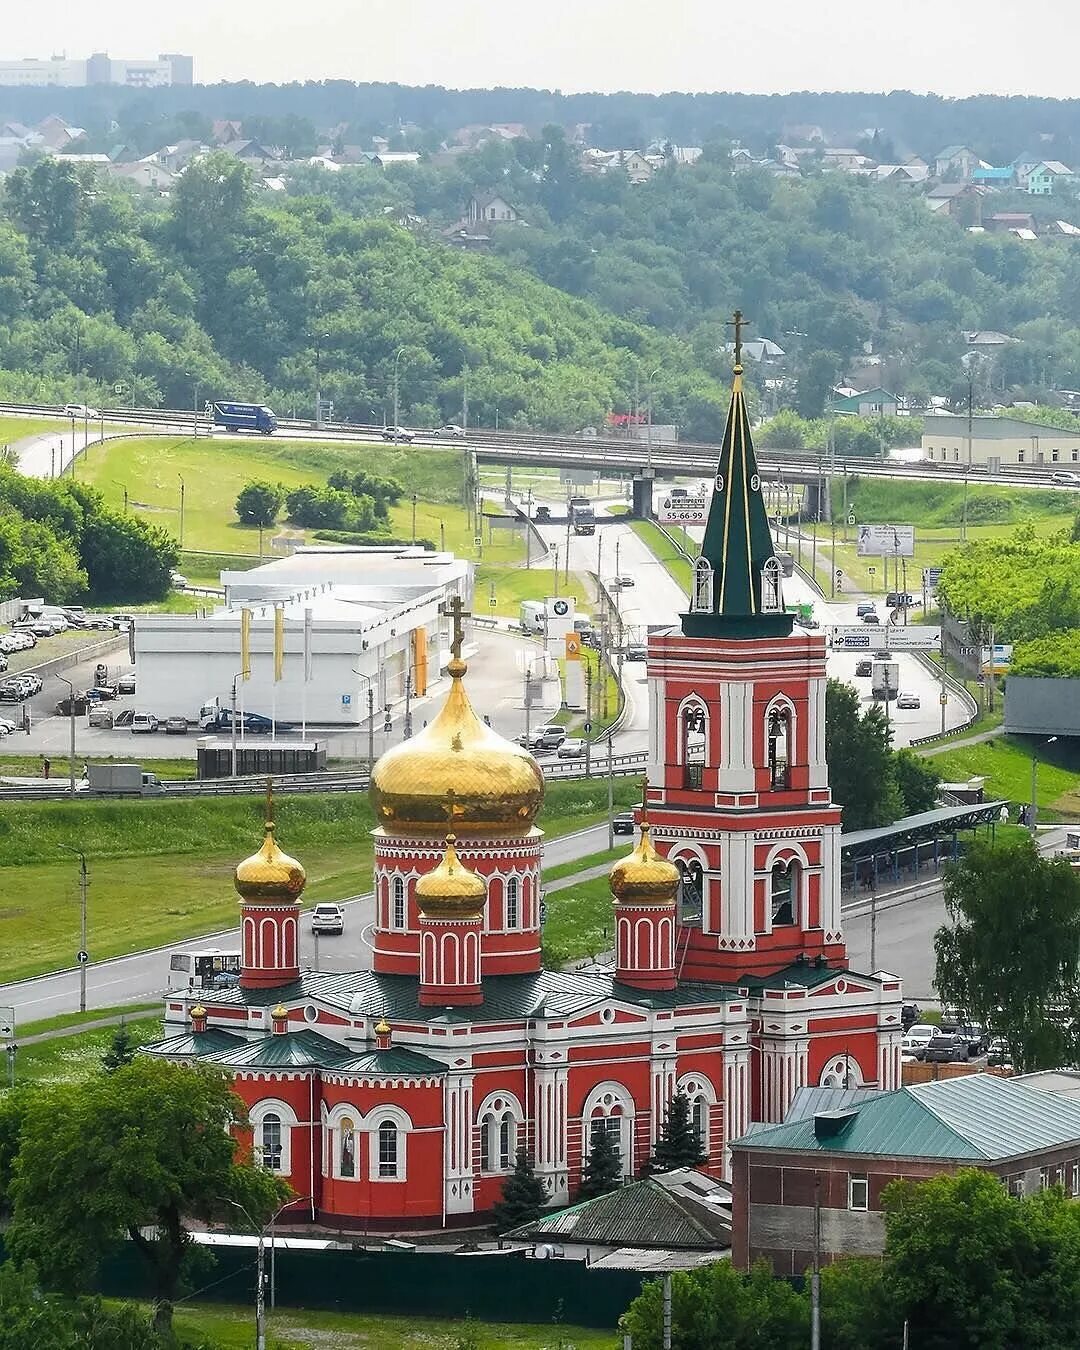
(398,920)
(610,1108)
(703,586)
(270,1141)
(347,1147)
(512,902)
(388,1150)
(500,1119)
(779,736)
(694,734)
(691,889)
(507,1132)
(772,601)
(699,1118)
(783,880)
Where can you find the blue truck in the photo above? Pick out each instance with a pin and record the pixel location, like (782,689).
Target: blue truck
(245,417)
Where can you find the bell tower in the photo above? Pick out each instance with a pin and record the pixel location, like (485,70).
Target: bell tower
(740,798)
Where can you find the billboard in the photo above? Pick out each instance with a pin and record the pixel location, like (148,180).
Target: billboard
(886,541)
(1038,706)
(893,638)
(693,510)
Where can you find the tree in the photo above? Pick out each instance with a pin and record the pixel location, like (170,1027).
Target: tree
(815,383)
(972,1268)
(861,770)
(856,1313)
(131,1154)
(719,1307)
(1010,955)
(603,1169)
(121,1050)
(523,1195)
(125,556)
(917,780)
(258,503)
(679,1144)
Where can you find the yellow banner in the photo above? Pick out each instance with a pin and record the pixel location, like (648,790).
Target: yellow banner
(279,641)
(245,643)
(573,646)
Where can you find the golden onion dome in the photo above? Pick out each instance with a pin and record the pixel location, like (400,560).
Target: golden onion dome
(270,875)
(198,1010)
(450,890)
(457,773)
(644,877)
(280,1013)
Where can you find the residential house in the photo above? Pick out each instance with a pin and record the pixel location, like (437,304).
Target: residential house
(956,163)
(56,134)
(867,403)
(961,201)
(839,1148)
(1042,179)
(676,1220)
(845,161)
(225,130)
(1022,165)
(179,156)
(490,209)
(904,174)
(145,174)
(785,155)
(988,339)
(392,159)
(1002,221)
(469,240)
(325,162)
(251,151)
(758,349)
(1061,229)
(273,184)
(992,176)
(804,132)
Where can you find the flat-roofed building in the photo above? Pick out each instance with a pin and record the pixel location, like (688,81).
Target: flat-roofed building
(997,442)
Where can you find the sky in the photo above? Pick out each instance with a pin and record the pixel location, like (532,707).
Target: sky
(950,47)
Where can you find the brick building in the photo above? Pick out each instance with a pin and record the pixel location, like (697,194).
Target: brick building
(839,1148)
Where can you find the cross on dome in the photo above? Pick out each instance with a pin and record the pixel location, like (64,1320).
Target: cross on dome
(738,323)
(457,613)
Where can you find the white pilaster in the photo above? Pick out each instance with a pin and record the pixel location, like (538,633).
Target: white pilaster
(550,1130)
(819,770)
(459,1197)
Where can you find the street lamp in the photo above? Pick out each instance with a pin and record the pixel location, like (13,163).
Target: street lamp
(84,955)
(397,359)
(648,424)
(71,714)
(240,675)
(1034,773)
(260,1259)
(181,478)
(320,338)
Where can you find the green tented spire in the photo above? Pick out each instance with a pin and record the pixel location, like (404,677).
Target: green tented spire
(736,589)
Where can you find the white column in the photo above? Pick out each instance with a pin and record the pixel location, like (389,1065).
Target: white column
(550,1129)
(459,1120)
(830,880)
(815,747)
(737,763)
(736,1100)
(657,732)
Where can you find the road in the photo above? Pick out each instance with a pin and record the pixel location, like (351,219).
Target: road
(144,975)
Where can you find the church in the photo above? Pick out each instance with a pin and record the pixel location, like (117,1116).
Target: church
(396,1097)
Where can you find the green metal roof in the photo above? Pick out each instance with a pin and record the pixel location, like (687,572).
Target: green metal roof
(398,1062)
(192,1044)
(977,1117)
(286,1050)
(924,825)
(738,541)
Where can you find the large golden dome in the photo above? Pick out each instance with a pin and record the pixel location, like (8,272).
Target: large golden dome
(457,774)
(643,877)
(270,875)
(451,891)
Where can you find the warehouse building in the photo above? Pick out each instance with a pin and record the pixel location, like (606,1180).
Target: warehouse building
(997,442)
(355,621)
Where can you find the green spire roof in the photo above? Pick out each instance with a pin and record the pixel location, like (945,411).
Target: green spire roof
(736,585)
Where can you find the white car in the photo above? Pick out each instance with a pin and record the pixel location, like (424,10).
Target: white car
(79,410)
(328,919)
(908,701)
(917,1039)
(177,580)
(144,723)
(572,749)
(1064,476)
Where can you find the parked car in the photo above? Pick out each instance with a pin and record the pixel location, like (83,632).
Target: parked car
(31,680)
(623,823)
(623,583)
(919,1035)
(908,701)
(864,668)
(144,723)
(328,919)
(398,434)
(864,607)
(8,725)
(1064,476)
(909,1015)
(125,684)
(67,705)
(11,692)
(571,749)
(9,642)
(122,620)
(177,580)
(946,1049)
(452,429)
(225,979)
(100,693)
(637,652)
(542,513)
(176,726)
(101,717)
(100,623)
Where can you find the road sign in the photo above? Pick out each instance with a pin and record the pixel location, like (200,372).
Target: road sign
(346,700)
(82,957)
(492,602)
(588,728)
(851,518)
(943,699)
(871,570)
(478,540)
(839,574)
(891,637)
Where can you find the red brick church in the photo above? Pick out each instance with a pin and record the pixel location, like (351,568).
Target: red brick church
(396,1097)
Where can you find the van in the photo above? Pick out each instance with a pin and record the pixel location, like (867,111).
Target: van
(144,723)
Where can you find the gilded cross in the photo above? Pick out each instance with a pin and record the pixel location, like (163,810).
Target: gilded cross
(645,801)
(269,803)
(457,613)
(738,323)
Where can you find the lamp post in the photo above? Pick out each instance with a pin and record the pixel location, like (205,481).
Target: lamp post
(1034,774)
(240,675)
(180,476)
(71,715)
(397,360)
(648,422)
(84,955)
(260,1263)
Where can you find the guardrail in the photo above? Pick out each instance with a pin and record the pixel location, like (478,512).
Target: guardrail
(955,687)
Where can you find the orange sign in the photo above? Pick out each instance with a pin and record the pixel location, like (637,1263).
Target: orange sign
(573,647)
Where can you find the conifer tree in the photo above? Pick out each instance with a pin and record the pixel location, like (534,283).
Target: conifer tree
(121,1050)
(523,1195)
(603,1170)
(679,1144)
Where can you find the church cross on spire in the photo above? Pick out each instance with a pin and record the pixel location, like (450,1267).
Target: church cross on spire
(738,323)
(269,804)
(457,611)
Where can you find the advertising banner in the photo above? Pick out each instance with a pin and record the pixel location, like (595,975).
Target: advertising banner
(886,541)
(683,510)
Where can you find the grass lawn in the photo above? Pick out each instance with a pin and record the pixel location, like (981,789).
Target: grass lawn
(1006,764)
(678,568)
(29,766)
(231,1328)
(513,584)
(579,921)
(160,871)
(61,644)
(72,1059)
(77,1019)
(569,869)
(14,429)
(214,471)
(605,699)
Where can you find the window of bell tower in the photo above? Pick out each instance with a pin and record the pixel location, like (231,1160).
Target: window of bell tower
(694,732)
(779,735)
(783,882)
(703,585)
(772,602)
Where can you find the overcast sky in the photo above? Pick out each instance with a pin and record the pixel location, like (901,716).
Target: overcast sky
(951,47)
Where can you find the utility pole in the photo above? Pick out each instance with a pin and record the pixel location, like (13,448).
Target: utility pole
(588,718)
(610,797)
(528,529)
(528,703)
(181,510)
(414,517)
(667,1313)
(815,1277)
(84,955)
(71,717)
(397,359)
(465,398)
(566,574)
(407,728)
(370,727)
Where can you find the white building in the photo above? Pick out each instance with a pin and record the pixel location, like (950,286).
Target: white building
(61,73)
(372,619)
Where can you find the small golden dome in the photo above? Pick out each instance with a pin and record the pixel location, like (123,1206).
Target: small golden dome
(198,1010)
(382,1027)
(270,875)
(280,1013)
(457,773)
(643,877)
(451,891)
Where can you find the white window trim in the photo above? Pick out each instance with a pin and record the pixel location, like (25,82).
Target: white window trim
(402,1122)
(332,1141)
(864,1183)
(272,1106)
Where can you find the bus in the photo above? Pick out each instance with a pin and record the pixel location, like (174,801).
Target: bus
(208,969)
